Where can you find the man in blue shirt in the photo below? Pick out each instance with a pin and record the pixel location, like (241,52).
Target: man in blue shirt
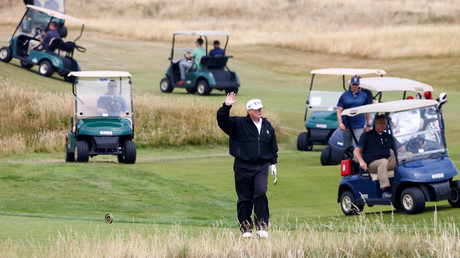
(360,123)
(217,51)
(45,39)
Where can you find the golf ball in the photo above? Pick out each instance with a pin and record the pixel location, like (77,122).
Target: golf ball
(108,218)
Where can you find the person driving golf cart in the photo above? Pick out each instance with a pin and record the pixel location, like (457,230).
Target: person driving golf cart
(45,39)
(192,60)
(112,104)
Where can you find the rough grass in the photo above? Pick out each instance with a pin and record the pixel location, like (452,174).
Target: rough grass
(376,29)
(34,121)
(359,237)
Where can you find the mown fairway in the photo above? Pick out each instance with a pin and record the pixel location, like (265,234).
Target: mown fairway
(42,197)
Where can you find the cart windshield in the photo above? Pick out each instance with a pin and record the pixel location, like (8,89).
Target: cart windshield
(33,22)
(103,97)
(420,132)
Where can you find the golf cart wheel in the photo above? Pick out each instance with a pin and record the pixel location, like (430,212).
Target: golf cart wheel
(326,156)
(129,152)
(26,65)
(69,156)
(455,194)
(120,158)
(165,85)
(191,90)
(45,68)
(304,142)
(81,151)
(413,200)
(202,88)
(348,204)
(5,54)
(234,90)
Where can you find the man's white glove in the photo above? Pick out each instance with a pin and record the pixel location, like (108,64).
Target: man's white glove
(273,172)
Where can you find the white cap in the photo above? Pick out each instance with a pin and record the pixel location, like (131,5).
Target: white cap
(254,104)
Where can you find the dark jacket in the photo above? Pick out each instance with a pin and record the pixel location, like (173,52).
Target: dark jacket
(245,142)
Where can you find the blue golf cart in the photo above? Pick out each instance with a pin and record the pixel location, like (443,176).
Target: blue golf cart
(423,172)
(393,88)
(26,47)
(214,74)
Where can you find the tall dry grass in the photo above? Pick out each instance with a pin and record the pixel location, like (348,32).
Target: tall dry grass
(362,237)
(33,121)
(365,28)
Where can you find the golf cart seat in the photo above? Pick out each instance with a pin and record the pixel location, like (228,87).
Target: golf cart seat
(62,31)
(375,177)
(55,43)
(214,62)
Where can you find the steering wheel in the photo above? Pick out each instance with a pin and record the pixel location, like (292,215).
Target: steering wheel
(37,31)
(414,144)
(114,107)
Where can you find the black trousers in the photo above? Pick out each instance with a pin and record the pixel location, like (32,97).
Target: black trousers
(251,188)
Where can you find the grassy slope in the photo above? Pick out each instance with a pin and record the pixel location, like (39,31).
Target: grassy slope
(77,196)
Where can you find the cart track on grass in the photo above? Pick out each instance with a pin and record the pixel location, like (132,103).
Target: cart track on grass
(142,159)
(116,219)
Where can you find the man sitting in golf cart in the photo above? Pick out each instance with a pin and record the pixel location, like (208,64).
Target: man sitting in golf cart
(112,104)
(192,60)
(373,153)
(46,38)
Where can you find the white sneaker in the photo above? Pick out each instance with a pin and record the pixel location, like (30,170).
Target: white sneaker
(247,234)
(262,233)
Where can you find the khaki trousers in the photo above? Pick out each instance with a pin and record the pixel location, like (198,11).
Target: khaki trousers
(381,167)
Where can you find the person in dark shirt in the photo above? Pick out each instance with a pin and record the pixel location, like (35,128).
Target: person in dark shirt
(112,104)
(46,38)
(360,123)
(373,153)
(217,51)
(253,144)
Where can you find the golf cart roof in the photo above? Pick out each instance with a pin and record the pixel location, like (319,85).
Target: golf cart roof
(96,74)
(201,33)
(390,107)
(393,84)
(55,14)
(348,71)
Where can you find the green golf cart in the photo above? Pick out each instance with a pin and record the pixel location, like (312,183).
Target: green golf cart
(214,74)
(26,47)
(321,109)
(103,122)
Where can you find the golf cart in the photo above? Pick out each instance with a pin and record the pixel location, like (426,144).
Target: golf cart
(103,122)
(334,153)
(214,74)
(423,172)
(322,104)
(58,57)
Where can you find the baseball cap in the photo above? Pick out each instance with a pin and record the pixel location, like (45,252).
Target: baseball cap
(254,104)
(354,80)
